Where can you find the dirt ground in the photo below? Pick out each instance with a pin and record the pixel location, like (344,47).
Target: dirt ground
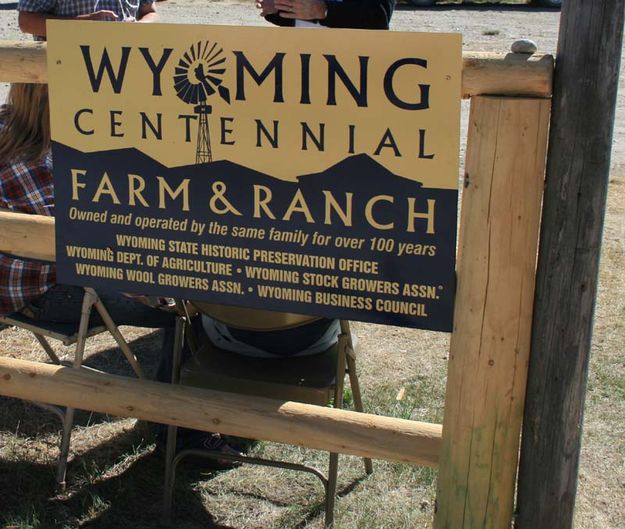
(399,354)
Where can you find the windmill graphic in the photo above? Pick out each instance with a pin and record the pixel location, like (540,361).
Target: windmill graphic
(198,75)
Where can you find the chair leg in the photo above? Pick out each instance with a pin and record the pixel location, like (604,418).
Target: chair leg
(344,343)
(350,358)
(331,491)
(58,411)
(172,431)
(179,337)
(170,453)
(355,385)
(68,423)
(112,328)
(189,336)
(48,348)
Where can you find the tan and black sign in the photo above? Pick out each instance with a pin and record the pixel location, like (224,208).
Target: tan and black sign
(310,171)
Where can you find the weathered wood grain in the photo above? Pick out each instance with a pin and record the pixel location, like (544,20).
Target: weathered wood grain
(492,320)
(299,424)
(27,235)
(589,51)
(483,73)
(23,62)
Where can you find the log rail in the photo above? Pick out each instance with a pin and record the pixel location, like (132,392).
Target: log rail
(295,423)
(511,74)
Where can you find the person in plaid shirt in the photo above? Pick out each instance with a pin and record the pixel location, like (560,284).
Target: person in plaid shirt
(34,13)
(25,187)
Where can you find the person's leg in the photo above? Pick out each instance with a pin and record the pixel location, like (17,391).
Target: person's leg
(60,304)
(163,373)
(187,438)
(63,304)
(128,311)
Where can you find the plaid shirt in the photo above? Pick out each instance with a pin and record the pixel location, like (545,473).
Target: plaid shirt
(71,8)
(25,188)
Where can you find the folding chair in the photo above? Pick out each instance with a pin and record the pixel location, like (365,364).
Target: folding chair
(315,379)
(69,334)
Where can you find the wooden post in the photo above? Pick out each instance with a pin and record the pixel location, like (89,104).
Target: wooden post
(501,202)
(586,81)
(333,430)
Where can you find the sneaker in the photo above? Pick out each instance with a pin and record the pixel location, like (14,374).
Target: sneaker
(217,453)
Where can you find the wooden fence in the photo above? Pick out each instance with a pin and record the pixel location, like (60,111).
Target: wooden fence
(477,451)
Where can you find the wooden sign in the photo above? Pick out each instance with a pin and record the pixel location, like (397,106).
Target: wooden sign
(307,171)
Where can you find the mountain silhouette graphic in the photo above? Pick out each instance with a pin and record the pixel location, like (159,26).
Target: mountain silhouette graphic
(348,174)
(354,169)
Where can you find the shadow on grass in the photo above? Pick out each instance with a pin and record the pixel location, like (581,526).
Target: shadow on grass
(27,419)
(296,516)
(110,484)
(147,349)
(117,481)
(319,508)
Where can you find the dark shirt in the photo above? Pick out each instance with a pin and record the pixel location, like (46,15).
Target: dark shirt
(354,14)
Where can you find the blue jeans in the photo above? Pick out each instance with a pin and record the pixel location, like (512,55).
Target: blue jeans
(63,303)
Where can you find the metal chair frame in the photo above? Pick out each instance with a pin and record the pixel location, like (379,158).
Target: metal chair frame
(346,365)
(66,416)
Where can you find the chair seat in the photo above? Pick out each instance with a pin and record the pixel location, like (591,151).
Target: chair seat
(253,319)
(67,333)
(308,379)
